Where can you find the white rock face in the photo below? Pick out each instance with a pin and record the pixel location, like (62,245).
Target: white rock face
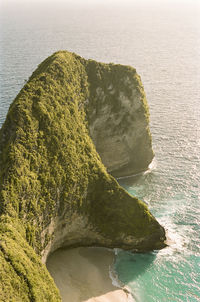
(77,230)
(120,130)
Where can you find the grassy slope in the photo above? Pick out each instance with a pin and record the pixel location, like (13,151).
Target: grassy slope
(49,166)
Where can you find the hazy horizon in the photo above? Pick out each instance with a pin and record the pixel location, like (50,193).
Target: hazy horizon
(85,3)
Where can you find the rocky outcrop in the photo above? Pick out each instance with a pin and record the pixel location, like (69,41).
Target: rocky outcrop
(119,118)
(54,189)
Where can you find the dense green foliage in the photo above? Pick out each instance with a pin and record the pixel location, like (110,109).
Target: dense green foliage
(49,167)
(22,275)
(113,76)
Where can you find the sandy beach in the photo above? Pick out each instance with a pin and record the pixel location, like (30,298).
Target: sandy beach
(82,275)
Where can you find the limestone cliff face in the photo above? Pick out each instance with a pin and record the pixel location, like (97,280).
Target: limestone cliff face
(54,189)
(119,118)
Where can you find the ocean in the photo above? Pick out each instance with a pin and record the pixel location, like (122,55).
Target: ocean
(162,41)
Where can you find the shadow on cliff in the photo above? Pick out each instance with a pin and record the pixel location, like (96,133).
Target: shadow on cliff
(131,180)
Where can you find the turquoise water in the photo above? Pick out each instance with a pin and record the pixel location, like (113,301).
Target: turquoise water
(172,274)
(163,42)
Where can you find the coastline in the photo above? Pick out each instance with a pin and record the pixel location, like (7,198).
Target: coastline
(149,169)
(84,275)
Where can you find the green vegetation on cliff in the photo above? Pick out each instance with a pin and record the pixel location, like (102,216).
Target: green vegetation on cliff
(101,75)
(50,168)
(22,275)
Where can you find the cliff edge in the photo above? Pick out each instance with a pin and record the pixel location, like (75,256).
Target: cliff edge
(118,118)
(54,189)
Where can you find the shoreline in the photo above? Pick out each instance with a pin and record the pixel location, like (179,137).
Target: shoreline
(85,275)
(149,169)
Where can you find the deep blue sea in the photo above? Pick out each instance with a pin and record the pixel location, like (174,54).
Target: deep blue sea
(161,39)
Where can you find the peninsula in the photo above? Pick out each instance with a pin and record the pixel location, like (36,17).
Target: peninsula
(75,124)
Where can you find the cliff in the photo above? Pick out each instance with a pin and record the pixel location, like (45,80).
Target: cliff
(54,189)
(118,118)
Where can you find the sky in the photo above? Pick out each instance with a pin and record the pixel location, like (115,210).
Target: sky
(92,2)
